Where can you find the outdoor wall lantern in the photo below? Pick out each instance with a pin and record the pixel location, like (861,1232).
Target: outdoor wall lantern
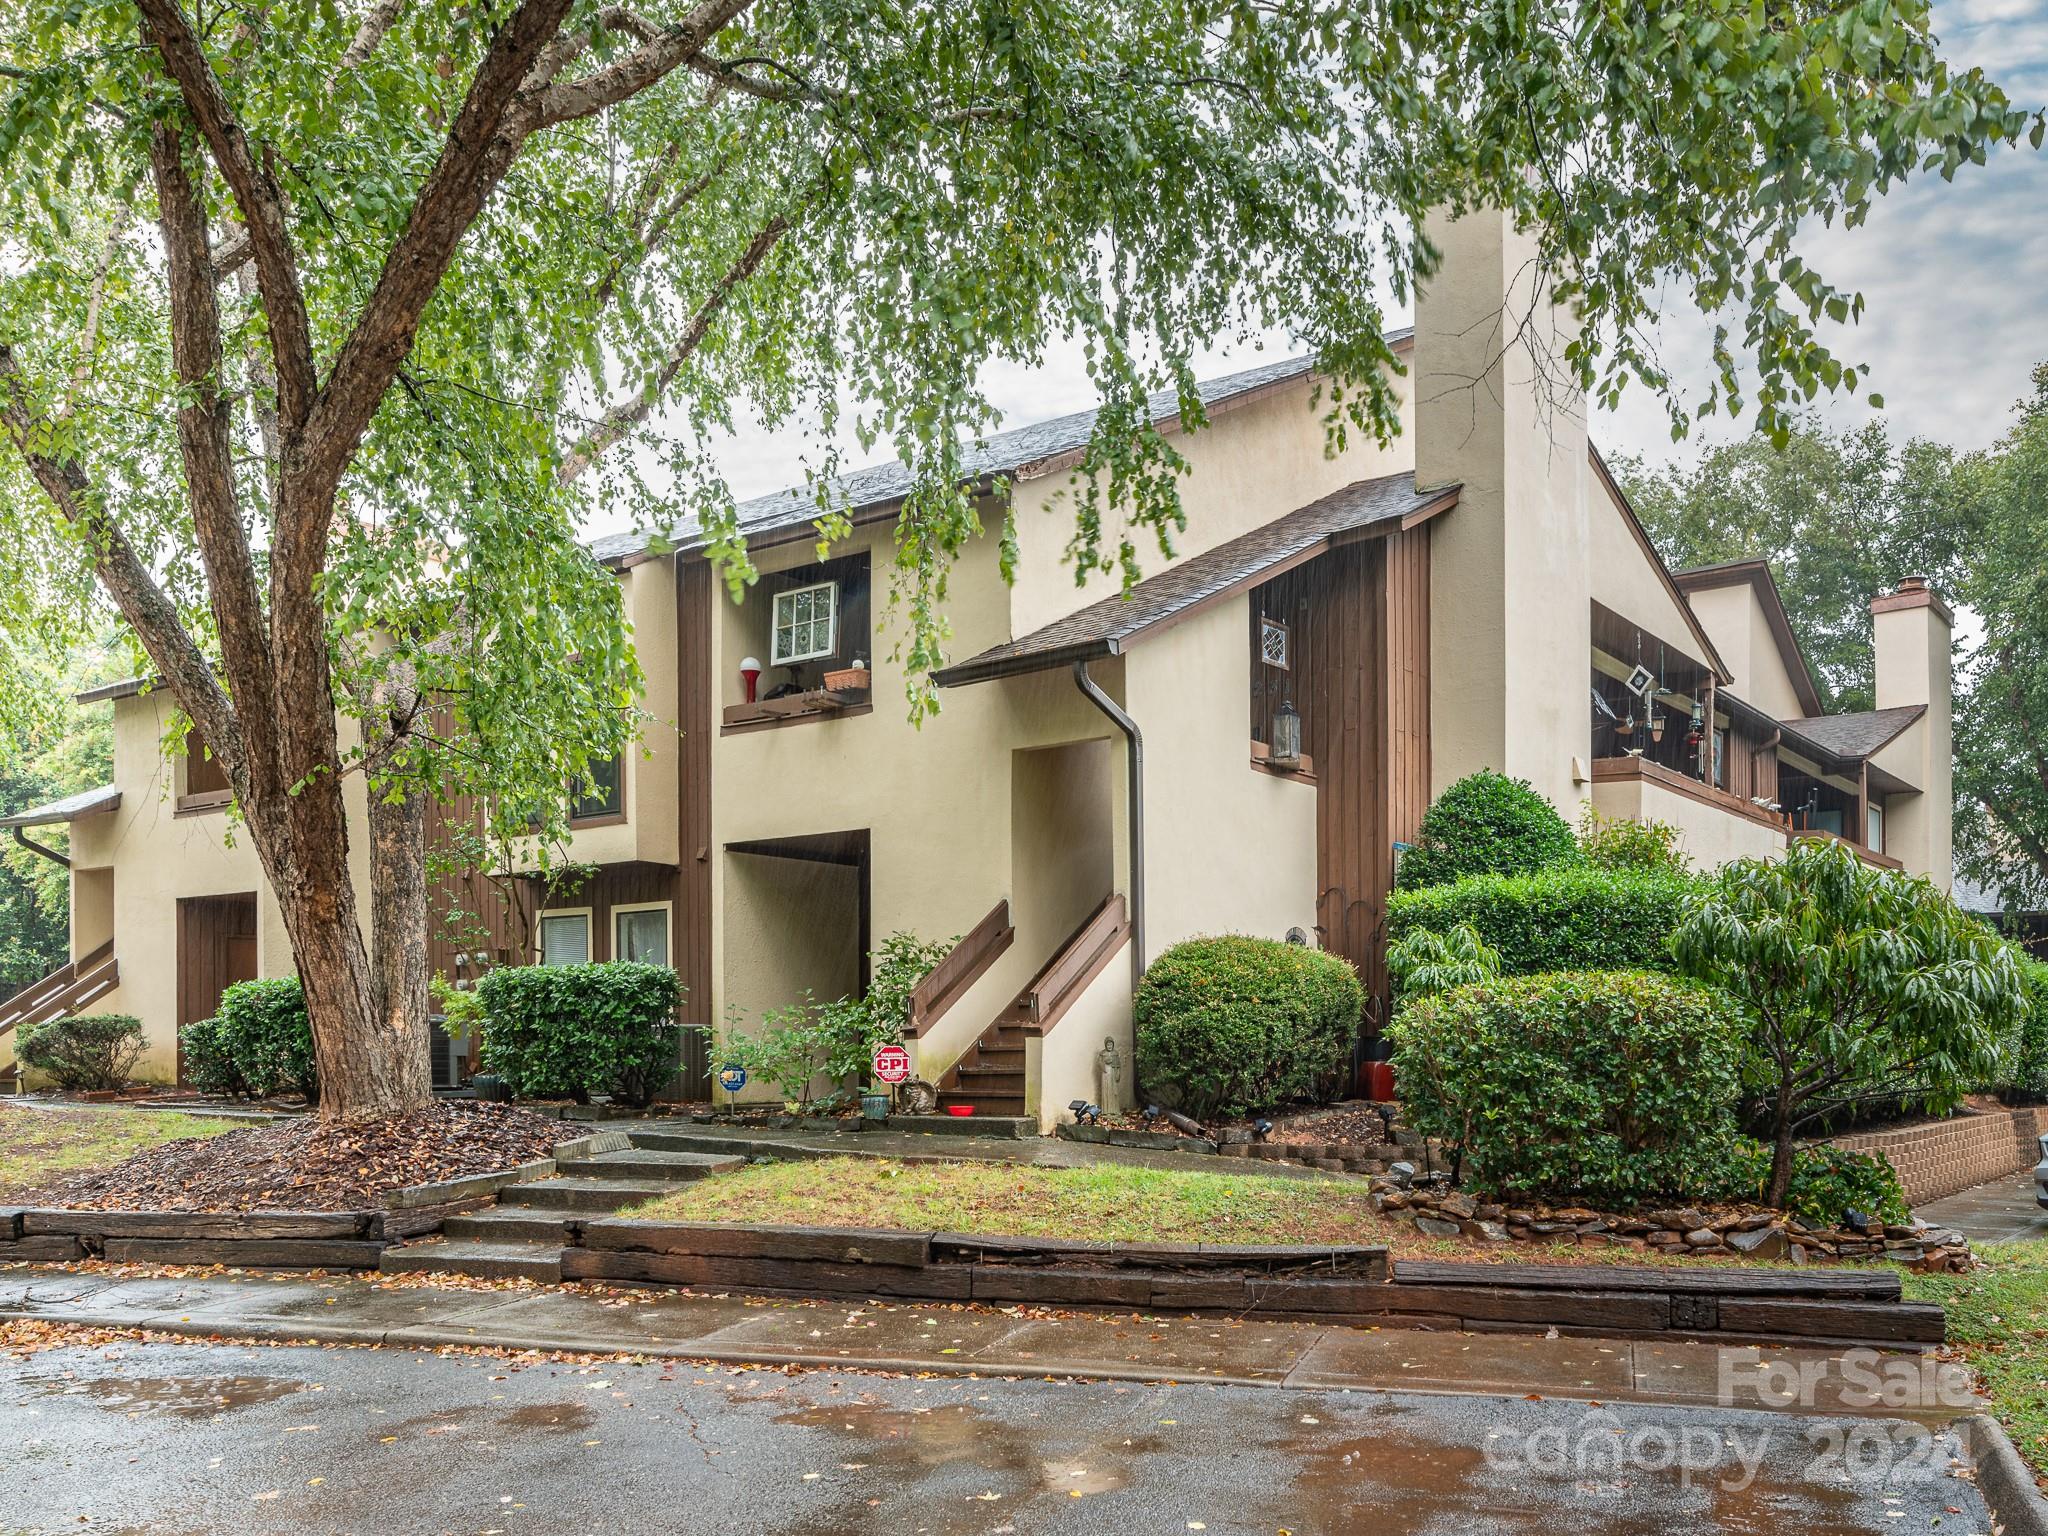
(1286,736)
(1656,724)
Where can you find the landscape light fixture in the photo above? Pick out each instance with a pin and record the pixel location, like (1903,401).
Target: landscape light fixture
(1152,1113)
(1262,1129)
(1085,1113)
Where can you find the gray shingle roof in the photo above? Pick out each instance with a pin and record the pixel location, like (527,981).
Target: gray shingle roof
(70,808)
(1859,734)
(1004,453)
(1104,628)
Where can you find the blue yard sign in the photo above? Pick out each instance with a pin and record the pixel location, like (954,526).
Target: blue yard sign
(732,1079)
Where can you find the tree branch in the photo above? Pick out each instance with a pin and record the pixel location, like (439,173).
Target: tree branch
(142,602)
(623,417)
(256,197)
(205,439)
(665,51)
(89,334)
(380,20)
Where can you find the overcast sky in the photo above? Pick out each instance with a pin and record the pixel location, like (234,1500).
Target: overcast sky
(1955,275)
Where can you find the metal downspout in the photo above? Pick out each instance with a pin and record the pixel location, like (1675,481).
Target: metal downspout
(33,846)
(1135,739)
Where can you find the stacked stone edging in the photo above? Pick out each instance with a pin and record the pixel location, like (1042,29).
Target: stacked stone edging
(1669,1232)
(268,1239)
(1946,1157)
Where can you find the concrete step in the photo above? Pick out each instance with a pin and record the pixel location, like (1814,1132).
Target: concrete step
(986,1107)
(495,1224)
(669,1166)
(580,1194)
(485,1260)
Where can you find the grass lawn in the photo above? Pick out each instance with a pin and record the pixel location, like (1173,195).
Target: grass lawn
(1998,1317)
(1119,1204)
(40,1146)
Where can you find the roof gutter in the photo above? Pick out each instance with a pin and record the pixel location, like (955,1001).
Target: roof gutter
(1135,739)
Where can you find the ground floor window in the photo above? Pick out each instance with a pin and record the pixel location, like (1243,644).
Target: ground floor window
(565,937)
(641,933)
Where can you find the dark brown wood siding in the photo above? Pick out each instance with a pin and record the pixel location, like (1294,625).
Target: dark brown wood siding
(1406,614)
(468,912)
(216,949)
(1347,690)
(696,600)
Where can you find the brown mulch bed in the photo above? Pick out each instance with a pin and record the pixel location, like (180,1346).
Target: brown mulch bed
(303,1165)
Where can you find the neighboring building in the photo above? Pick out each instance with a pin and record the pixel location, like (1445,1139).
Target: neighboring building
(1420,610)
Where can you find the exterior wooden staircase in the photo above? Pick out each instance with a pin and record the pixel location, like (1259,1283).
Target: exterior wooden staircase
(68,990)
(990,1074)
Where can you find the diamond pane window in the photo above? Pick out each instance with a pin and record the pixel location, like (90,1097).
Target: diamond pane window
(806,624)
(1273,643)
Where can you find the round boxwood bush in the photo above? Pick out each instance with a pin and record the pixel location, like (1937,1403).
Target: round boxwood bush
(84,1052)
(1570,918)
(1601,1085)
(1231,1025)
(569,1031)
(259,1043)
(1487,824)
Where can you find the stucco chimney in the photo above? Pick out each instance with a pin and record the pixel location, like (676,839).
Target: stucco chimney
(1510,604)
(1911,628)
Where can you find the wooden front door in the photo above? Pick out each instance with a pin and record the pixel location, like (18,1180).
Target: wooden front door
(216,949)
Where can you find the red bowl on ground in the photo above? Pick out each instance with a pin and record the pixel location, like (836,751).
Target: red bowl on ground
(962,1110)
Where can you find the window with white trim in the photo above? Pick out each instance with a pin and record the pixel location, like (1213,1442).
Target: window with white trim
(641,933)
(806,624)
(565,938)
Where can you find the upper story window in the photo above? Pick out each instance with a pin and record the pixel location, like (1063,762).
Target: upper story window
(602,797)
(205,776)
(806,624)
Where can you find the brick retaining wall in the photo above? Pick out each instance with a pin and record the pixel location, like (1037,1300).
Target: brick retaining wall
(1946,1157)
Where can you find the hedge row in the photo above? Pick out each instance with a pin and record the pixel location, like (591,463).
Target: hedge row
(1566,918)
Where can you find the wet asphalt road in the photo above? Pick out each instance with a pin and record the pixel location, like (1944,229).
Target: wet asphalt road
(215,1439)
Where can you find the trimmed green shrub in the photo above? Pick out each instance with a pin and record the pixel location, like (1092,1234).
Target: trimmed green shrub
(84,1052)
(1827,1182)
(569,1031)
(1605,1085)
(1622,843)
(1487,824)
(2028,1073)
(1230,1025)
(259,1043)
(1568,919)
(207,1063)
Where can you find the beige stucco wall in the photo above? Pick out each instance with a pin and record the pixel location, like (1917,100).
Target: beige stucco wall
(1229,848)
(794,930)
(1733,617)
(1621,576)
(649,832)
(1061,1066)
(1914,667)
(92,908)
(936,799)
(1254,462)
(1510,597)
(1710,837)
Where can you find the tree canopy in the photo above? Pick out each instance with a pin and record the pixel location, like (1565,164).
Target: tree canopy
(1839,516)
(2002,717)
(319,320)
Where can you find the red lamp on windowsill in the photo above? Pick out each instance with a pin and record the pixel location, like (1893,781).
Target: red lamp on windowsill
(750,674)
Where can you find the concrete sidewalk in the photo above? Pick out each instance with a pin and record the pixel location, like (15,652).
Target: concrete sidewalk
(956,1339)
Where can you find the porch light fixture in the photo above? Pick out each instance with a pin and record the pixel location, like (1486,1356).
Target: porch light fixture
(1286,751)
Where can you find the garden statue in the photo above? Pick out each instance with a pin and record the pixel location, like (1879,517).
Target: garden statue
(1109,1077)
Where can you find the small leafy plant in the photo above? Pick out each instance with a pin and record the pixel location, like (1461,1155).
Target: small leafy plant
(1426,962)
(84,1052)
(1619,842)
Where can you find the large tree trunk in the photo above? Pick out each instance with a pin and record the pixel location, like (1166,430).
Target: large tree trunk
(1780,1183)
